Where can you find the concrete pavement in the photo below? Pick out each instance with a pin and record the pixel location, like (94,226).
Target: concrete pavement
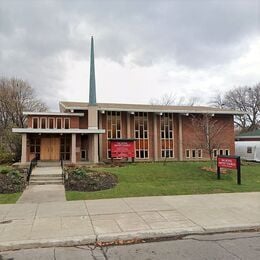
(43,193)
(81,222)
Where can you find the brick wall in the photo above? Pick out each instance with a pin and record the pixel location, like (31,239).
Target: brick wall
(225,138)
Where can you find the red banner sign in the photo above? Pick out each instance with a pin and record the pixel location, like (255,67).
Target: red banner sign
(230,163)
(122,149)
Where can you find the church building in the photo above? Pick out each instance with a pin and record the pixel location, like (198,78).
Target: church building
(82,132)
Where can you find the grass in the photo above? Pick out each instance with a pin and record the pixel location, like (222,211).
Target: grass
(9,198)
(174,178)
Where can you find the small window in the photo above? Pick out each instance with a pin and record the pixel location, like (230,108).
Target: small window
(199,153)
(187,153)
(83,155)
(193,152)
(227,152)
(58,124)
(215,153)
(35,122)
(66,123)
(43,123)
(249,149)
(220,152)
(51,123)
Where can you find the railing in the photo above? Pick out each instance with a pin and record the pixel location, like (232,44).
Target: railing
(33,163)
(62,170)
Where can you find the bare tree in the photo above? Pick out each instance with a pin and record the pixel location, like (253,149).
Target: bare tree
(208,131)
(16,96)
(170,99)
(245,99)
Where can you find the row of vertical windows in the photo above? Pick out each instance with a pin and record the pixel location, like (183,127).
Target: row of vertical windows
(197,153)
(50,123)
(113,127)
(166,135)
(194,153)
(217,152)
(141,134)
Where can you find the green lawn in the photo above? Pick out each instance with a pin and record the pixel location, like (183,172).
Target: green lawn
(174,178)
(9,198)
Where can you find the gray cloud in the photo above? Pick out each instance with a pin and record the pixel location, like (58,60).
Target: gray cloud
(34,35)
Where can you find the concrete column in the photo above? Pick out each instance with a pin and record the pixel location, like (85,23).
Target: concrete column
(180,138)
(24,148)
(155,136)
(95,148)
(128,125)
(73,148)
(92,117)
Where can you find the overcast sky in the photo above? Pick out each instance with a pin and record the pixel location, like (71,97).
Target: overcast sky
(143,49)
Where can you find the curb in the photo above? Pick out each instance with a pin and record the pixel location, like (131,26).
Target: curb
(124,237)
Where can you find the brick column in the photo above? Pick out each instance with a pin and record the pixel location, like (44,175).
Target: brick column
(73,148)
(24,148)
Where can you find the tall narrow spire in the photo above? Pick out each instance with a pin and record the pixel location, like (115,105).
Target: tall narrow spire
(92,80)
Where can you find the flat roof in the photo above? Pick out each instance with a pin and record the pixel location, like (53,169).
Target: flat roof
(52,114)
(251,134)
(58,131)
(148,108)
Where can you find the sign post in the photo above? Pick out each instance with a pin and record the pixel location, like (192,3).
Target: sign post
(229,162)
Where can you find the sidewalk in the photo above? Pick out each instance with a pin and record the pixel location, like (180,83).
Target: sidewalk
(80,222)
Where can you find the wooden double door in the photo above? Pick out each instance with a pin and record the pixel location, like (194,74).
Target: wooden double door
(50,149)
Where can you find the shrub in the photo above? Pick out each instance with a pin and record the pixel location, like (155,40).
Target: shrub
(11,181)
(83,179)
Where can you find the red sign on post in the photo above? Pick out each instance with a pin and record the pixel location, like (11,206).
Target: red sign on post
(122,149)
(230,163)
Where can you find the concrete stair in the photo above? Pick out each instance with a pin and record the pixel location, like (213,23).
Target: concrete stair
(46,175)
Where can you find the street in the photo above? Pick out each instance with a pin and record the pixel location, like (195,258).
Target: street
(244,245)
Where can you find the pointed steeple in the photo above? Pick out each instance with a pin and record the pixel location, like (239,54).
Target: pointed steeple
(92,80)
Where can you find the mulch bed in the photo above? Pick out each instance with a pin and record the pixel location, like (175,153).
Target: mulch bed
(11,182)
(87,180)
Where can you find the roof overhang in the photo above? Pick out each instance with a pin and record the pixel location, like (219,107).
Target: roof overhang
(176,111)
(248,137)
(52,114)
(57,131)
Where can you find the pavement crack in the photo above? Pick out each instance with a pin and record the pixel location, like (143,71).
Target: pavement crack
(231,253)
(54,253)
(219,239)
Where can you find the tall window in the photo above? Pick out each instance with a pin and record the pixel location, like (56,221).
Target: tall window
(166,126)
(51,123)
(35,122)
(113,128)
(58,123)
(43,122)
(66,123)
(35,144)
(142,135)
(65,147)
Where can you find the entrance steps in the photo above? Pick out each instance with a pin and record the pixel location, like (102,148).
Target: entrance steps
(46,175)
(48,163)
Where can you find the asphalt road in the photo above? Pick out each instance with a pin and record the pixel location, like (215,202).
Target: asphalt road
(218,246)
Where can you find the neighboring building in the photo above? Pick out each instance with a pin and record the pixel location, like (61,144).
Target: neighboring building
(82,131)
(248,146)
